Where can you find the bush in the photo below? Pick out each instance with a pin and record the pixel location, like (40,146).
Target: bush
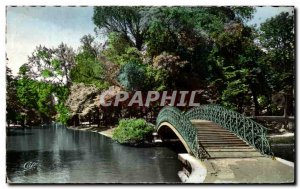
(132,131)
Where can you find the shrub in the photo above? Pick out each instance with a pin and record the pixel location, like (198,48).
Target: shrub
(132,131)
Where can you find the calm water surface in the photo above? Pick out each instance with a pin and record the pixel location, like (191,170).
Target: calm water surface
(59,155)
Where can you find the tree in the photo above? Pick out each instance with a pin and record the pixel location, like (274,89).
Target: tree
(241,76)
(182,31)
(40,101)
(51,64)
(188,27)
(172,68)
(277,37)
(90,66)
(13,106)
(189,33)
(127,21)
(88,70)
(132,76)
(36,97)
(63,114)
(119,51)
(88,44)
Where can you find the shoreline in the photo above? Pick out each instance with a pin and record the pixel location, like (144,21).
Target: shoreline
(105,131)
(215,171)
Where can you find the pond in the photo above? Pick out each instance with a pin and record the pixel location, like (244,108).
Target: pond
(54,154)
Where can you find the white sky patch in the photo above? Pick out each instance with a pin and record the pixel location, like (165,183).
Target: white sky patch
(28,27)
(263,13)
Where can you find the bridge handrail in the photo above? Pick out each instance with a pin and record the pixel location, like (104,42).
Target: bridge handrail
(250,131)
(184,126)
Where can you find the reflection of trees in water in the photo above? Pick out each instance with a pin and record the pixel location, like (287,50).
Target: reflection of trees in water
(75,156)
(156,164)
(18,133)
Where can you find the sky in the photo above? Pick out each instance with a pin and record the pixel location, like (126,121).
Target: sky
(28,27)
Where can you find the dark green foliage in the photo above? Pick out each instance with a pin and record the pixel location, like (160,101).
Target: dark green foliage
(132,76)
(165,48)
(13,106)
(183,32)
(27,92)
(156,79)
(63,114)
(120,51)
(278,37)
(132,131)
(40,100)
(88,70)
(241,78)
(128,21)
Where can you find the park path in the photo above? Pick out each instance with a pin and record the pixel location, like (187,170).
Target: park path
(249,170)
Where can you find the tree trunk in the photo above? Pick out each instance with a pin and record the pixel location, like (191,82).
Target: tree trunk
(76,120)
(255,99)
(288,105)
(23,123)
(285,106)
(89,117)
(256,105)
(139,42)
(97,117)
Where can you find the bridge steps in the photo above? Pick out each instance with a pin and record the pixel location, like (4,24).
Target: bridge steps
(234,154)
(221,137)
(231,149)
(221,143)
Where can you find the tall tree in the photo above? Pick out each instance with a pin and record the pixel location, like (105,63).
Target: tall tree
(278,40)
(238,58)
(127,21)
(190,33)
(120,51)
(13,106)
(51,64)
(88,68)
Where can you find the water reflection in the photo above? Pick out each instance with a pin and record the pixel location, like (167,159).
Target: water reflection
(68,156)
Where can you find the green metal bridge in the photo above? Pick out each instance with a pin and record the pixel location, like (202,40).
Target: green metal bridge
(212,131)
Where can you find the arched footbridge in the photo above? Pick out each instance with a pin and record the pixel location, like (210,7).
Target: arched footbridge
(212,131)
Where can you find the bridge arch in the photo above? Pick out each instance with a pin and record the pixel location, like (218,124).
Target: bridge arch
(184,127)
(180,123)
(177,133)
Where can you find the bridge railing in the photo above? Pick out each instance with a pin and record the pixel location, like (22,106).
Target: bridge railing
(252,132)
(184,126)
